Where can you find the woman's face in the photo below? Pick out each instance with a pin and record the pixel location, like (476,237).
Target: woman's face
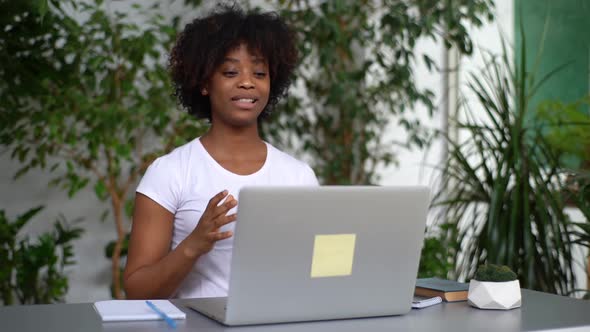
(239,88)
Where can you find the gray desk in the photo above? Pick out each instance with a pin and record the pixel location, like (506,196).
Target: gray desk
(540,311)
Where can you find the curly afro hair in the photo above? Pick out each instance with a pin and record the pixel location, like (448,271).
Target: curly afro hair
(202,45)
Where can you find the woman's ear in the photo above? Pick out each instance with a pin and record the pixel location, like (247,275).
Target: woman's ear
(204,91)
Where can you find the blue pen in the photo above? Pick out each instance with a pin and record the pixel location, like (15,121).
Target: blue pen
(165,317)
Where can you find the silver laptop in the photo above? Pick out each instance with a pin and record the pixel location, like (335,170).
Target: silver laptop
(316,253)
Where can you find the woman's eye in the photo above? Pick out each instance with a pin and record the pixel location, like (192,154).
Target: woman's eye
(260,74)
(230,73)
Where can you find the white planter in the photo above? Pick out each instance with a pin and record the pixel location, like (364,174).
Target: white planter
(494,295)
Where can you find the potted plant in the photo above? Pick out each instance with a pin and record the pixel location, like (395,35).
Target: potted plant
(34,270)
(501,189)
(494,287)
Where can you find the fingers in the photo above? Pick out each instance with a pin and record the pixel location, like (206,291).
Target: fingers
(219,222)
(224,220)
(215,216)
(214,209)
(214,201)
(218,236)
(222,209)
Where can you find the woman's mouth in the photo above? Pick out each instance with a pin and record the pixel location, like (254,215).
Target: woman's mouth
(244,103)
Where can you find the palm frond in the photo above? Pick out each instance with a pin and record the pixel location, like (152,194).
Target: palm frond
(500,193)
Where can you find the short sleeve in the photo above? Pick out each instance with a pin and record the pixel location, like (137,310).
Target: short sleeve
(161,183)
(308,177)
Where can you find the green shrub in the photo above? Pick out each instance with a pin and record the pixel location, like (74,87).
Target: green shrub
(495,273)
(436,259)
(32,272)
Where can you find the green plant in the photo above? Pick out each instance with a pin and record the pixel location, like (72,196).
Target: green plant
(579,194)
(501,189)
(33,272)
(356,78)
(436,259)
(567,129)
(88,97)
(494,273)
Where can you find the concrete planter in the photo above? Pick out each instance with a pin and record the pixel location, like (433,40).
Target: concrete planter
(494,295)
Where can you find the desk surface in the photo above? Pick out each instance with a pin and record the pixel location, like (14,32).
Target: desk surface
(540,311)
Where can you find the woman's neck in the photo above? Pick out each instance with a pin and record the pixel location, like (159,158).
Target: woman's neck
(226,142)
(241,153)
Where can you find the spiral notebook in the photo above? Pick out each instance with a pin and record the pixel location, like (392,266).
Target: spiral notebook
(420,302)
(125,310)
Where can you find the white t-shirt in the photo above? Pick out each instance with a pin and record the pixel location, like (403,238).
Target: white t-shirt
(184,181)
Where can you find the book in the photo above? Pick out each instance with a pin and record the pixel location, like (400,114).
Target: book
(448,290)
(420,302)
(124,310)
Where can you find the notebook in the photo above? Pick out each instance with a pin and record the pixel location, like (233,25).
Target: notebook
(316,253)
(125,310)
(420,302)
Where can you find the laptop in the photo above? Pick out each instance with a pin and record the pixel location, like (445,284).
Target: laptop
(318,253)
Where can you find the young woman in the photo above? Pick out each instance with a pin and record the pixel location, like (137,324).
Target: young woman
(230,67)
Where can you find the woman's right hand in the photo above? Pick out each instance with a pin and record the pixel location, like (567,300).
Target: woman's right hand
(207,232)
(154,271)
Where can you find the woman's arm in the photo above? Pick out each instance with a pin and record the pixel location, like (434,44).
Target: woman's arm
(152,270)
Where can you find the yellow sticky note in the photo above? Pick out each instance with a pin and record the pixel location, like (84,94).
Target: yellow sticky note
(333,255)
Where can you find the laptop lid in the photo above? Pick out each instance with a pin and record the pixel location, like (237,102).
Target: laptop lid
(315,253)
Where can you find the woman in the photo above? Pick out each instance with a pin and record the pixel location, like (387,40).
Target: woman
(231,68)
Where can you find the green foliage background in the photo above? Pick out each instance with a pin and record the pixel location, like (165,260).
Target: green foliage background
(88,98)
(87,95)
(356,79)
(34,271)
(501,195)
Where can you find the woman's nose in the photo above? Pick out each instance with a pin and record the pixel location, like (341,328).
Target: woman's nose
(246,82)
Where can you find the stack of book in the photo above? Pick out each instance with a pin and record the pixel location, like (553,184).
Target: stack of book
(448,290)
